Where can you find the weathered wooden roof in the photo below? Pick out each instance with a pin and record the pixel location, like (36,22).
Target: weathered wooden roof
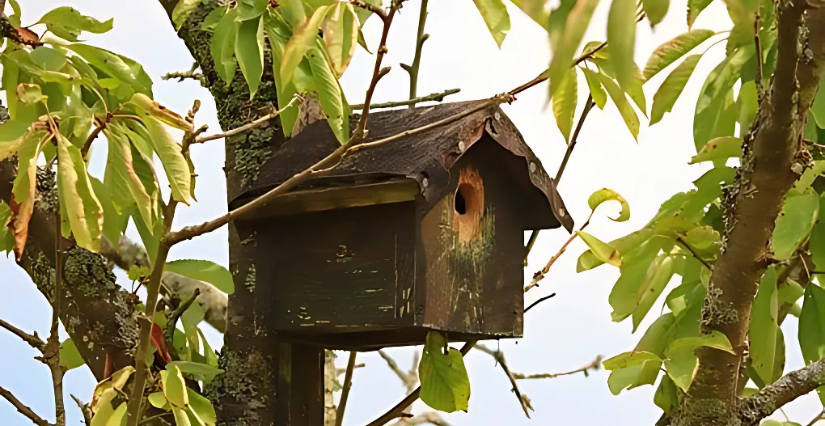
(428,155)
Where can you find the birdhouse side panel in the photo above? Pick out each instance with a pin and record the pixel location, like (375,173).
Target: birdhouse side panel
(472,248)
(337,271)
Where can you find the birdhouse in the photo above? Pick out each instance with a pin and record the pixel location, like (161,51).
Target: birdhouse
(425,232)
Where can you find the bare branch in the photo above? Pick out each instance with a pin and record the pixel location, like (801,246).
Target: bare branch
(772,397)
(32,339)
(593,365)
(433,97)
(499,357)
(533,305)
(410,380)
(342,405)
(420,38)
(183,75)
(430,417)
(84,409)
(372,8)
(51,352)
(172,323)
(246,127)
(23,409)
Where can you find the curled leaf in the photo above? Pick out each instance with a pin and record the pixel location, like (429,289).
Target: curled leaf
(603,251)
(720,148)
(603,195)
(165,115)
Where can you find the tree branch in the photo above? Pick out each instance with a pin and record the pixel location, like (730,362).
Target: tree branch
(342,405)
(499,357)
(593,365)
(246,127)
(772,397)
(32,339)
(772,150)
(433,97)
(420,38)
(23,409)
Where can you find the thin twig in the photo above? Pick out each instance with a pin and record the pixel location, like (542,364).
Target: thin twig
(246,127)
(361,129)
(533,305)
(499,357)
(687,246)
(539,275)
(594,365)
(32,339)
(51,352)
(398,410)
(372,8)
(433,97)
(758,55)
(545,75)
(100,126)
(178,312)
(409,380)
(183,75)
(420,38)
(23,409)
(588,105)
(151,419)
(84,410)
(342,405)
(818,417)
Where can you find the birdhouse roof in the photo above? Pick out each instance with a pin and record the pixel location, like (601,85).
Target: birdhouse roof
(424,157)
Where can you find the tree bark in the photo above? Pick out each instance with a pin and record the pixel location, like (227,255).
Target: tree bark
(773,157)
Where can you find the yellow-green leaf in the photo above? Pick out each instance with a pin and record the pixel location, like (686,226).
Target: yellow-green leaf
(695,7)
(720,148)
(628,359)
(278,35)
(158,400)
(764,327)
(341,35)
(249,49)
(69,356)
(602,250)
(169,151)
(564,103)
(78,203)
(672,87)
(605,194)
(118,418)
(795,222)
(445,385)
(181,417)
(496,17)
(595,86)
(672,50)
(222,46)
(303,38)
(618,97)
(174,387)
(621,39)
(165,115)
(330,94)
(293,12)
(182,11)
(812,327)
(121,179)
(655,10)
(714,339)
(67,23)
(30,94)
(575,24)
(202,407)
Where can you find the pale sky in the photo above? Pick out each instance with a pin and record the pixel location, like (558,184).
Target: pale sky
(563,333)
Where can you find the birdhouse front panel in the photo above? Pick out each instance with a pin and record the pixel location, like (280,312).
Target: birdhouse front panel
(472,251)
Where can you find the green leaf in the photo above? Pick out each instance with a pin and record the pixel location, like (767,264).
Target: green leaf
(680,369)
(655,10)
(249,49)
(575,24)
(695,7)
(174,387)
(658,276)
(222,46)
(203,270)
(720,148)
(117,66)
(293,11)
(621,39)
(69,356)
(278,35)
(638,267)
(303,38)
(251,9)
(618,97)
(496,17)
(196,369)
(341,29)
(202,407)
(818,108)
(602,250)
(118,418)
(182,11)
(629,359)
(79,205)
(812,328)
(666,396)
(122,181)
(30,94)
(564,103)
(158,400)
(445,385)
(67,23)
(764,326)
(672,87)
(631,377)
(535,9)
(799,214)
(175,165)
(603,195)
(715,99)
(181,417)
(817,243)
(213,18)
(671,51)
(156,110)
(595,86)
(330,94)
(714,339)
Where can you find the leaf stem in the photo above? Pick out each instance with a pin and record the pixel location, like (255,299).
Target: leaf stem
(433,97)
(22,408)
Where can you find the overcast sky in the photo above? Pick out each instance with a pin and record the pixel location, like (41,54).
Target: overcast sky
(561,334)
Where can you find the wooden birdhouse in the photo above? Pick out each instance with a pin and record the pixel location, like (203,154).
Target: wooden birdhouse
(422,233)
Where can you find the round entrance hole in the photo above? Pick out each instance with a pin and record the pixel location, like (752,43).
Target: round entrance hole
(468,203)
